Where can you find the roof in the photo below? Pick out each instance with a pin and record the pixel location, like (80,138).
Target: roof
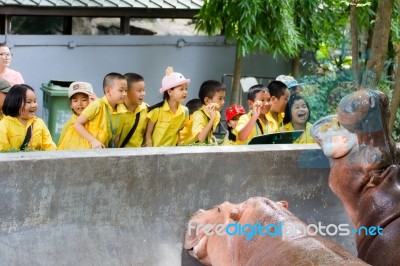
(156,4)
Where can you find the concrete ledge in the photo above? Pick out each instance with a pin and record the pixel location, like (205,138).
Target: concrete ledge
(130,206)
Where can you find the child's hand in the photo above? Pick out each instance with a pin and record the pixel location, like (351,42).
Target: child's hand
(257,108)
(92,97)
(97,144)
(212,109)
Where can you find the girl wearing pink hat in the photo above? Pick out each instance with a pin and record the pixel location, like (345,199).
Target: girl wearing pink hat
(167,117)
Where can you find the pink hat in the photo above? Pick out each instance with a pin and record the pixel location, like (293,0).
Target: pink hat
(172,79)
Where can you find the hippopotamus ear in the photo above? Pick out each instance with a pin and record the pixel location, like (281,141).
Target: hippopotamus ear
(235,214)
(283,203)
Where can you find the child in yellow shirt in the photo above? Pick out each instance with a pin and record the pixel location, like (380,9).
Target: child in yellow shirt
(80,94)
(297,114)
(136,116)
(232,115)
(206,120)
(279,98)
(101,121)
(186,133)
(255,122)
(20,129)
(166,118)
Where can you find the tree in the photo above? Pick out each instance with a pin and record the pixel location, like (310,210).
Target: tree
(320,21)
(266,25)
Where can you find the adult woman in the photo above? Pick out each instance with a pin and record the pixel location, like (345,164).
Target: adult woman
(12,76)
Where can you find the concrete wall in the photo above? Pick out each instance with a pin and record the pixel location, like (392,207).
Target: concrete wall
(130,206)
(89,58)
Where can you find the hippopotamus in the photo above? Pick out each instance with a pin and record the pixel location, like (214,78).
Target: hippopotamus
(365,172)
(207,240)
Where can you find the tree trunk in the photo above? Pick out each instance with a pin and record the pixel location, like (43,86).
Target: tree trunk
(394,104)
(379,44)
(354,44)
(237,74)
(296,67)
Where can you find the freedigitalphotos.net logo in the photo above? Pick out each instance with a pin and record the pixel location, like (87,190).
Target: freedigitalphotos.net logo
(282,229)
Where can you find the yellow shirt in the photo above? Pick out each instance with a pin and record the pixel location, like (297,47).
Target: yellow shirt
(70,139)
(186,133)
(200,120)
(256,131)
(129,120)
(99,125)
(1,115)
(167,124)
(305,137)
(273,125)
(13,132)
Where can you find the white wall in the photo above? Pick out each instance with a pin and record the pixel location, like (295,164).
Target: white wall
(89,58)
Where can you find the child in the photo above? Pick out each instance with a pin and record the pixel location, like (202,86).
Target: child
(20,129)
(291,84)
(254,123)
(232,115)
(5,87)
(101,122)
(136,116)
(206,120)
(167,117)
(186,133)
(297,114)
(80,94)
(279,97)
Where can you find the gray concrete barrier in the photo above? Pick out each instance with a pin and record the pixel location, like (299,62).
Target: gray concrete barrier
(130,206)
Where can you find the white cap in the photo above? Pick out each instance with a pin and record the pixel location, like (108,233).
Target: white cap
(79,87)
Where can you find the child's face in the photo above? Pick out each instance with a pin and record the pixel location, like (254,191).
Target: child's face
(299,112)
(179,93)
(278,105)
(28,109)
(117,92)
(265,98)
(234,121)
(79,102)
(136,92)
(218,98)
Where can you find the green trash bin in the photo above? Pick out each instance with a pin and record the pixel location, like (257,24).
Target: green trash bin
(56,107)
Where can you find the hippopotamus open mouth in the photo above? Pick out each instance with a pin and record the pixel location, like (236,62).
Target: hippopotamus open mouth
(365,170)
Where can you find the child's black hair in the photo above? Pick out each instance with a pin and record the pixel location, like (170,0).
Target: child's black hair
(15,99)
(109,79)
(209,88)
(193,105)
(252,92)
(231,136)
(288,108)
(133,77)
(277,88)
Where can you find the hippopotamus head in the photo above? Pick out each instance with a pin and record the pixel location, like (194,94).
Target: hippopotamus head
(364,160)
(211,248)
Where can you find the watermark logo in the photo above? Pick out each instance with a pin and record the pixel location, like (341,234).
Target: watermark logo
(283,229)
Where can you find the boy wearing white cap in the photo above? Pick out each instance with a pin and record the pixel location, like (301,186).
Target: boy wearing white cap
(80,94)
(166,118)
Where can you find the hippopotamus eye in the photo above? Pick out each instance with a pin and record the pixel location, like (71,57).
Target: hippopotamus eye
(219,209)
